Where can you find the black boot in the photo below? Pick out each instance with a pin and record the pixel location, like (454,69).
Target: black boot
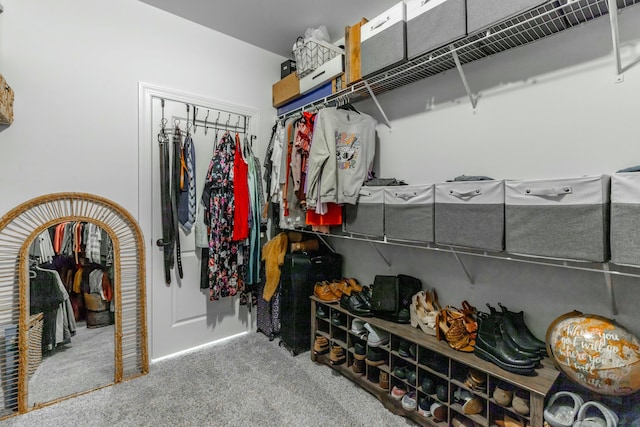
(491,346)
(518,321)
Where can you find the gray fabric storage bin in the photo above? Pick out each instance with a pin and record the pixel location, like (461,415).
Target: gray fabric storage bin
(383,41)
(434,23)
(559,218)
(485,13)
(470,214)
(366,216)
(625,218)
(408,212)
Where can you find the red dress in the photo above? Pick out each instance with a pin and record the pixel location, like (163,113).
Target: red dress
(240,195)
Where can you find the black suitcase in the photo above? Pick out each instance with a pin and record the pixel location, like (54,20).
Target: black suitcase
(298,275)
(268,312)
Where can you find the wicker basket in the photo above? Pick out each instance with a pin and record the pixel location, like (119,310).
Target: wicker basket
(35,342)
(6,102)
(311,54)
(98,319)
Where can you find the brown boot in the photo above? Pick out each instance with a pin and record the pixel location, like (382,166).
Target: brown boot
(320,346)
(337,356)
(384,380)
(358,366)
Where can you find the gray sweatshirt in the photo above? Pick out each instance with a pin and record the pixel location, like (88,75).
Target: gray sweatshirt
(341,155)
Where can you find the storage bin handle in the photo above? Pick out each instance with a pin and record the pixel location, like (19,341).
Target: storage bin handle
(405,196)
(380,23)
(551,191)
(461,194)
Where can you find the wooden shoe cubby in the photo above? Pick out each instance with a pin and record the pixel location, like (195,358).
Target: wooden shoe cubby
(435,359)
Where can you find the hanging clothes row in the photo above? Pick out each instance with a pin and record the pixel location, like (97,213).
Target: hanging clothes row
(232,206)
(75,239)
(316,163)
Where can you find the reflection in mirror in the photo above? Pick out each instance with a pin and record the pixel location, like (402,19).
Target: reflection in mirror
(71,311)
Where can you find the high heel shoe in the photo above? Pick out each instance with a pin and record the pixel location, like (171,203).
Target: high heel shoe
(450,326)
(420,317)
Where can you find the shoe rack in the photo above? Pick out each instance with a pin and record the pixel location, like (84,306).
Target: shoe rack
(447,368)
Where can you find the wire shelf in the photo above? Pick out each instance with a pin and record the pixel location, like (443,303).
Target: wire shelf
(536,24)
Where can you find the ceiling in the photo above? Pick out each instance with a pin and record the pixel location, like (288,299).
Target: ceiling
(274,25)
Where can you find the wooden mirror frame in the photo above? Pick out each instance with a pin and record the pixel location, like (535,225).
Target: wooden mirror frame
(20,227)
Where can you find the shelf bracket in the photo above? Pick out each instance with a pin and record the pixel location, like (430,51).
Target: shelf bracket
(473,98)
(464,267)
(609,282)
(323,240)
(375,99)
(384,258)
(615,36)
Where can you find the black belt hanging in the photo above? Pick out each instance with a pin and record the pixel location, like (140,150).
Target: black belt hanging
(165,199)
(175,192)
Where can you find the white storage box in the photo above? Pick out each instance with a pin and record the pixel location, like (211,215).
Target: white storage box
(485,13)
(434,23)
(383,41)
(470,214)
(408,212)
(367,215)
(322,74)
(558,218)
(625,218)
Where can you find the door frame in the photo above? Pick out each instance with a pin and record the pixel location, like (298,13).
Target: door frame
(146,94)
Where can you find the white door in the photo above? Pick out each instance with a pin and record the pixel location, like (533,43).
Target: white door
(182,317)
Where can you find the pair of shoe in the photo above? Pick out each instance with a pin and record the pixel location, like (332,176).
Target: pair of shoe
(470,404)
(505,395)
(407,349)
(423,311)
(357,302)
(337,355)
(324,292)
(476,380)
(424,407)
(410,401)
(320,345)
(398,391)
(376,337)
(321,312)
(358,366)
(566,409)
(497,342)
(376,356)
(384,380)
(451,326)
(407,373)
(337,319)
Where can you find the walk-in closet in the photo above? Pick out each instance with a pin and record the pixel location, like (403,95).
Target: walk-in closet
(363,213)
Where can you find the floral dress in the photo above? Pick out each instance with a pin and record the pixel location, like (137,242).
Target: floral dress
(225,269)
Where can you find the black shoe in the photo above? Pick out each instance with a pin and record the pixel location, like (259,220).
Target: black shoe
(521,341)
(336,319)
(355,305)
(521,326)
(376,356)
(428,385)
(491,346)
(320,312)
(405,349)
(360,350)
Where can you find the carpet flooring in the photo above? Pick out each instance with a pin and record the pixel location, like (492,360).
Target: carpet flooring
(248,380)
(86,363)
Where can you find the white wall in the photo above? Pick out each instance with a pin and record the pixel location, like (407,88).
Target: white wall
(546,110)
(75,66)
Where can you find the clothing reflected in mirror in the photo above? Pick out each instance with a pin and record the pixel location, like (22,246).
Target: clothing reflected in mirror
(71,311)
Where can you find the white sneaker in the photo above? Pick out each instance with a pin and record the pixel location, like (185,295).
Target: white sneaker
(409,401)
(377,336)
(357,327)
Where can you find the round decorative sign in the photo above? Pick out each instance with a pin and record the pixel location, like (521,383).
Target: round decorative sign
(596,353)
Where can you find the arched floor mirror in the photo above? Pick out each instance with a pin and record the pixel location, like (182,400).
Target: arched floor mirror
(21,322)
